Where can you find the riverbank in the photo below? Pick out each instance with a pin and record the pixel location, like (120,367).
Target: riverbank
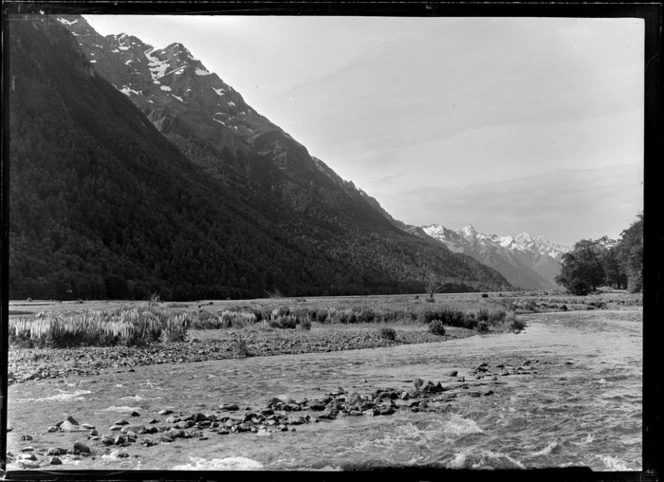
(204,345)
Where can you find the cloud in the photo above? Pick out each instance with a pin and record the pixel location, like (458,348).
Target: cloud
(564,205)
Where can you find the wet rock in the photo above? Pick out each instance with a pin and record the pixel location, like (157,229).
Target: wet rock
(135,414)
(114,428)
(71,420)
(199,417)
(107,440)
(81,448)
(165,411)
(88,426)
(55,461)
(121,422)
(451,373)
(26,438)
(328,415)
(53,428)
(267,411)
(154,420)
(316,405)
(286,399)
(184,424)
(136,429)
(56,451)
(119,440)
(173,419)
(231,407)
(27,449)
(67,426)
(490,392)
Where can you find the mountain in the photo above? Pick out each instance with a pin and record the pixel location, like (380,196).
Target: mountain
(123,190)
(530,262)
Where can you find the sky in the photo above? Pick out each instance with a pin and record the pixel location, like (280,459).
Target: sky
(509,124)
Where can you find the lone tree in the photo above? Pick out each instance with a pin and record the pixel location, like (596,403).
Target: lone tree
(582,270)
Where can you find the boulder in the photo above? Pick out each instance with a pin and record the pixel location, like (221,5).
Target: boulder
(81,448)
(71,420)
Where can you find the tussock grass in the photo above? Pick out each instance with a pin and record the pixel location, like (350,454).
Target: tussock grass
(121,326)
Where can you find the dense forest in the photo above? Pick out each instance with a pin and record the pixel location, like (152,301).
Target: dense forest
(605,262)
(102,205)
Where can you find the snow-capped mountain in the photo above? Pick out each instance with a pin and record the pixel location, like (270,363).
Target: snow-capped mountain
(531,262)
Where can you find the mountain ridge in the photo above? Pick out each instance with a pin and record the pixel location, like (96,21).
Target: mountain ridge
(202,217)
(531,262)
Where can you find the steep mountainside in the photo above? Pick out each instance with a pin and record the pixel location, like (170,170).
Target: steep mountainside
(525,261)
(103,205)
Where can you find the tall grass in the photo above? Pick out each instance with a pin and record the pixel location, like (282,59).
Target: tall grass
(120,326)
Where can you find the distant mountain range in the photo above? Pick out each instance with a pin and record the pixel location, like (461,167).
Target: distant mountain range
(529,262)
(136,170)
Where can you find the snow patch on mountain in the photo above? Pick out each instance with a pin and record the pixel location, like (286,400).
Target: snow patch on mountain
(219,91)
(66,22)
(200,71)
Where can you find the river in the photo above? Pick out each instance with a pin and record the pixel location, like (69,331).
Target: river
(581,407)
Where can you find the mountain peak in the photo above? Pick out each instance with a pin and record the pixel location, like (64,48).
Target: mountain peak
(468,230)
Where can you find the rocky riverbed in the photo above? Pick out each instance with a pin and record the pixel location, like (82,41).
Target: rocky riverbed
(278,414)
(48,363)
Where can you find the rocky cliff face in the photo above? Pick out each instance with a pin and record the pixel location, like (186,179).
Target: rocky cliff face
(530,262)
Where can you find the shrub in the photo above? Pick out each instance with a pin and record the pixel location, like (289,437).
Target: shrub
(239,348)
(388,333)
(176,328)
(204,320)
(286,321)
(237,319)
(304,325)
(436,327)
(517,324)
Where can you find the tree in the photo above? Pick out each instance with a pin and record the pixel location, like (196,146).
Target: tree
(582,270)
(630,254)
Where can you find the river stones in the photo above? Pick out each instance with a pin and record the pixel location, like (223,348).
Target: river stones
(286,399)
(56,451)
(81,448)
(231,407)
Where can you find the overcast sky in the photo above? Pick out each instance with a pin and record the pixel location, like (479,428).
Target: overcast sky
(508,124)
